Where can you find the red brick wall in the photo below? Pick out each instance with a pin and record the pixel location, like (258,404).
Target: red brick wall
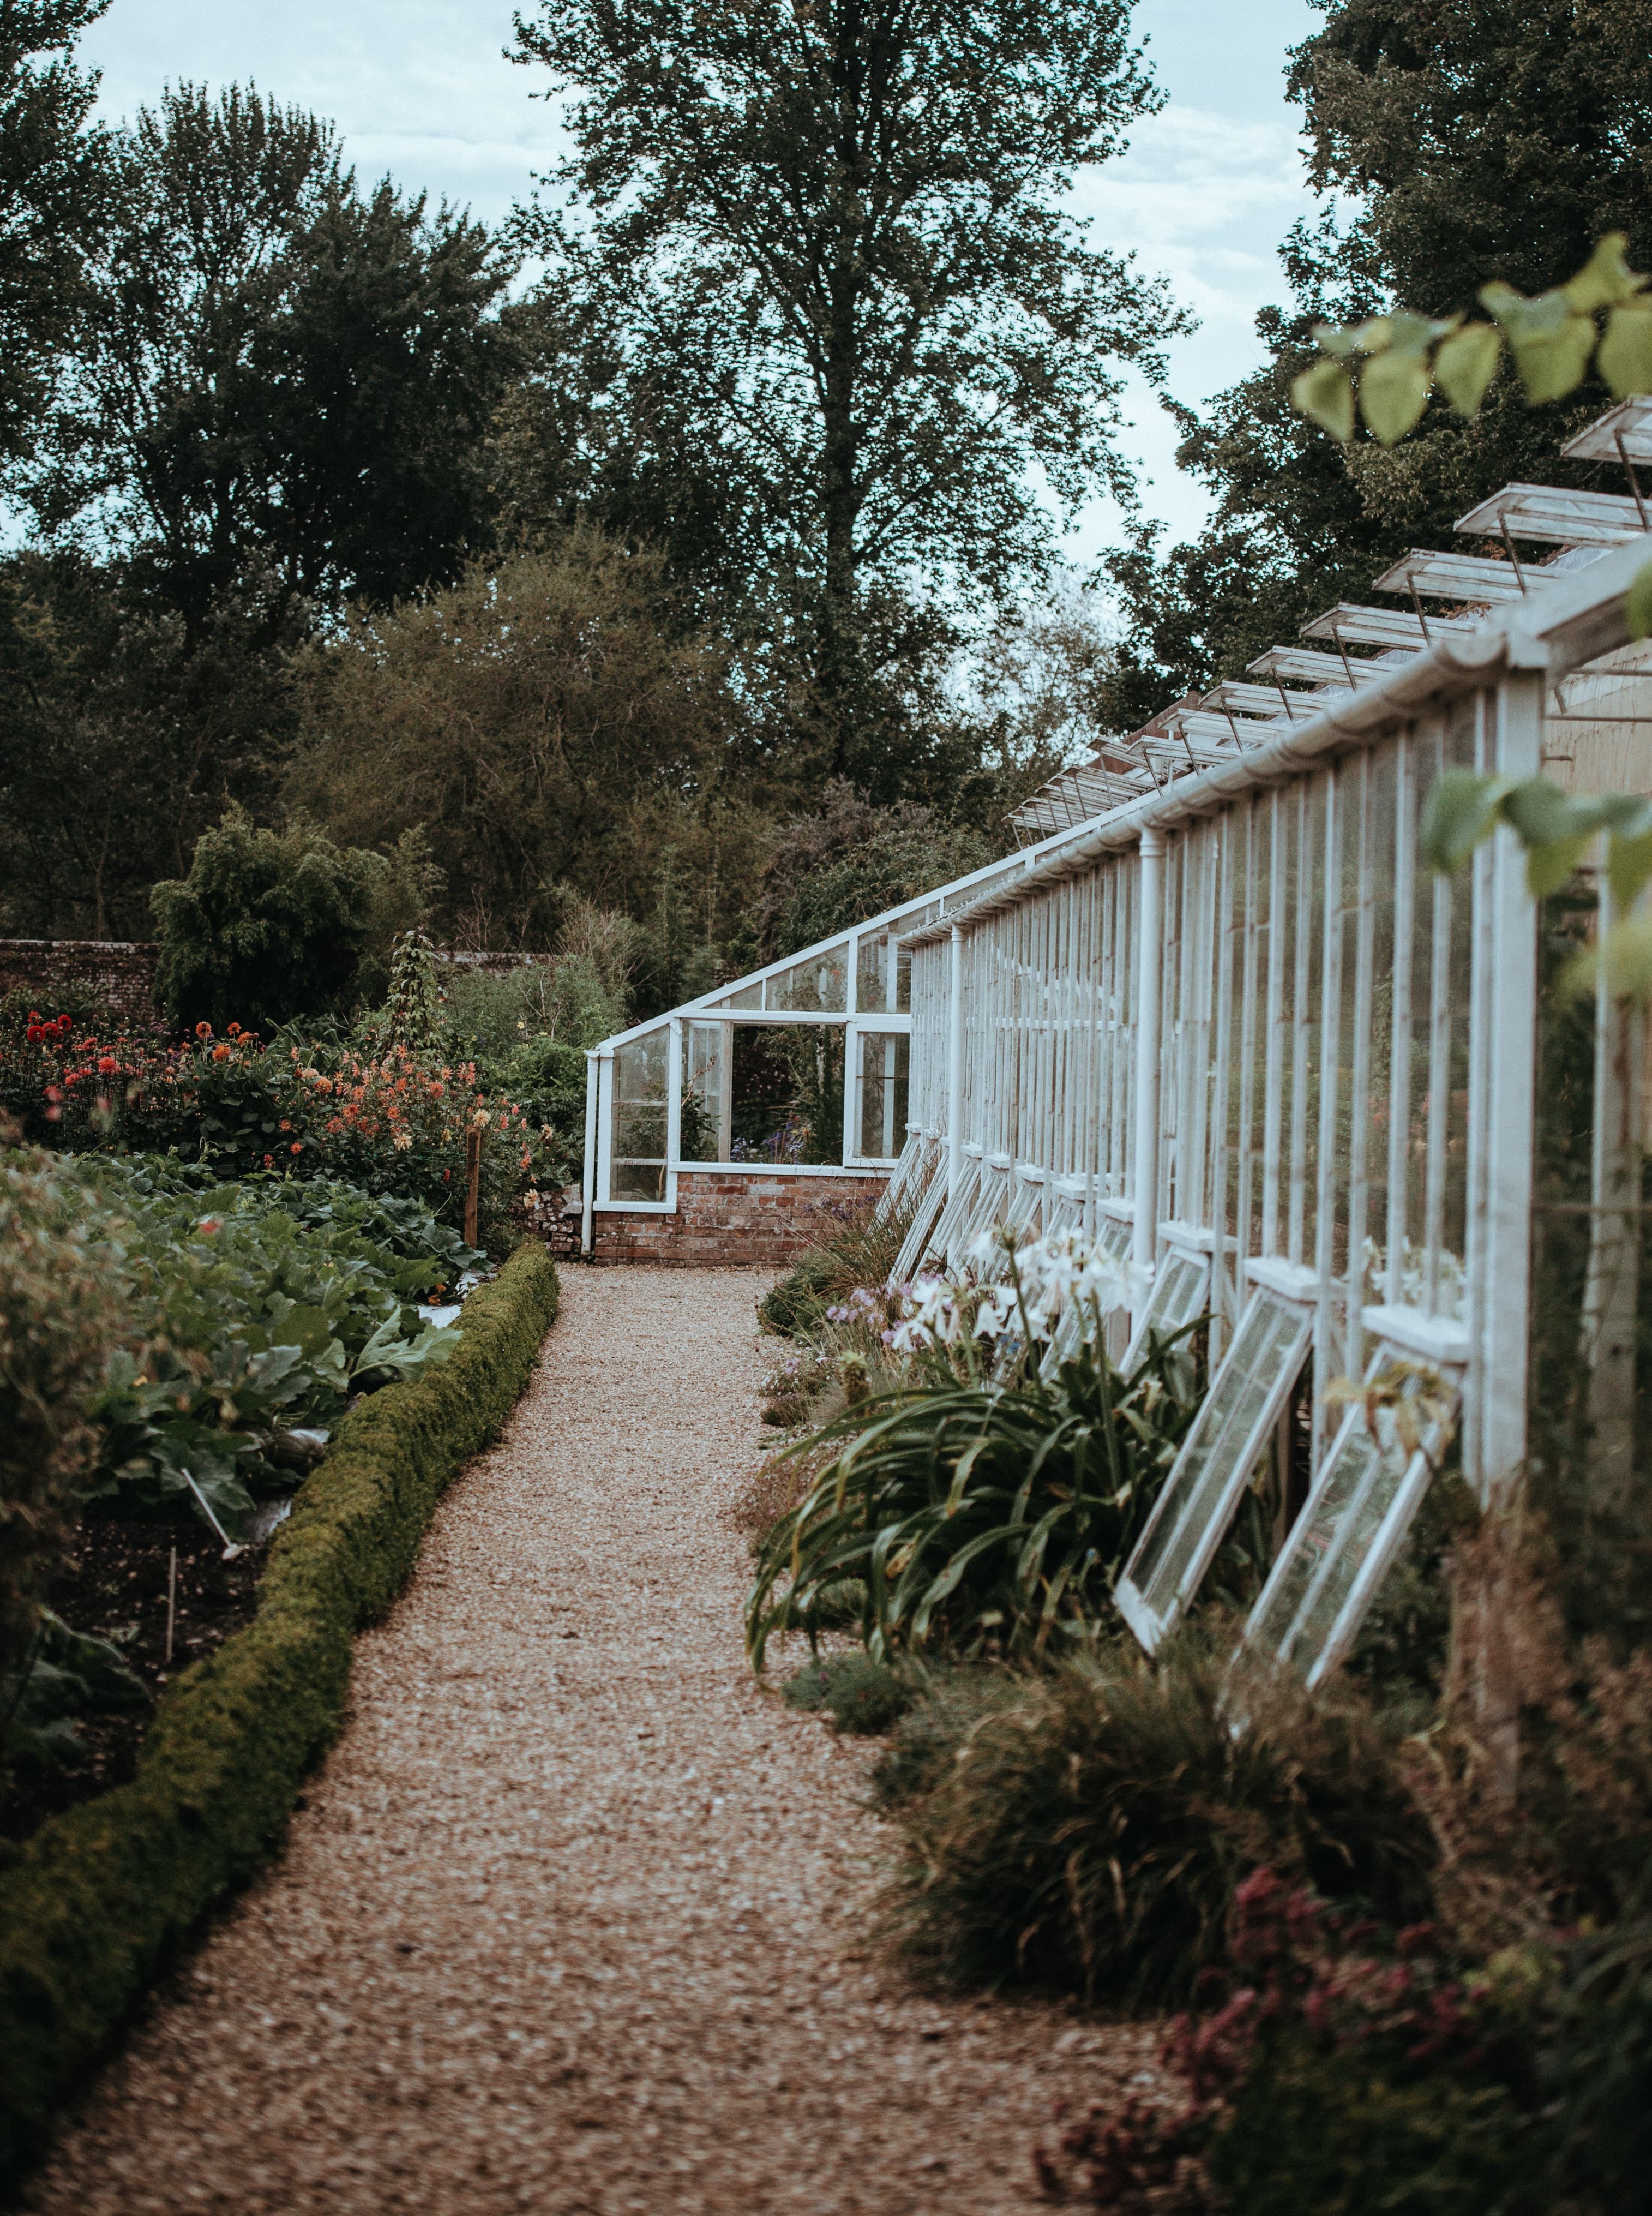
(728,1218)
(120,972)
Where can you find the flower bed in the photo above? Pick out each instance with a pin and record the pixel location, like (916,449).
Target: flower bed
(386,1118)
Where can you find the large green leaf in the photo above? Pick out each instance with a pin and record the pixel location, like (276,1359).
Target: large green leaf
(1461,811)
(1551,342)
(1393,393)
(1465,365)
(1624,358)
(1324,393)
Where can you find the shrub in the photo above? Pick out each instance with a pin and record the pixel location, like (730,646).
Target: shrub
(861,1253)
(979,1518)
(1088,1833)
(61,1311)
(99,1898)
(863,1696)
(271,925)
(1343,2068)
(1571,1846)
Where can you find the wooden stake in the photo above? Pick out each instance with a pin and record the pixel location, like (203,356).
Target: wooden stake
(171,1601)
(473,1181)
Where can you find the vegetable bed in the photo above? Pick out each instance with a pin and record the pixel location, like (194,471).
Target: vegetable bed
(96,1903)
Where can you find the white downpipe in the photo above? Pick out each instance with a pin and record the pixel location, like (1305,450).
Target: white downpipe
(1143,1249)
(588,1189)
(956,1067)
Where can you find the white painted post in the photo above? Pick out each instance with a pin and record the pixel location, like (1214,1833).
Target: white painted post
(956,1067)
(1150,957)
(1611,1291)
(588,1187)
(1500,1181)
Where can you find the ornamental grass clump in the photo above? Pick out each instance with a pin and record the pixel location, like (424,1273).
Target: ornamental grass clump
(986,1509)
(1087,1831)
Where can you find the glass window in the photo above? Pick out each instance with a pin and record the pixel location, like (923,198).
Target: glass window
(637,1162)
(707,1078)
(1181,1291)
(819,985)
(1342,1546)
(1215,1463)
(873,984)
(884,1068)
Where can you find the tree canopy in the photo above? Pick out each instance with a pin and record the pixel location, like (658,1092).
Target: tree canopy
(53,185)
(277,379)
(1453,145)
(820,314)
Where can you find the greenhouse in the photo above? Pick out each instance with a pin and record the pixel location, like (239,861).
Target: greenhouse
(1223,1017)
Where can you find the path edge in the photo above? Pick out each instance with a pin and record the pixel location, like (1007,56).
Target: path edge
(102,1897)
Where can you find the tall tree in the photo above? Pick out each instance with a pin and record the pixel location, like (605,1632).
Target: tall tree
(821,316)
(52,192)
(1453,141)
(278,377)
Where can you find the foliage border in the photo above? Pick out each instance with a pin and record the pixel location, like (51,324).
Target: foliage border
(102,1897)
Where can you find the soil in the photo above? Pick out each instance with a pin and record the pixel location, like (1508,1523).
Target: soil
(115,1586)
(575,1918)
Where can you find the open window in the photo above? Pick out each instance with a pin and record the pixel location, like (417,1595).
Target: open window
(939,1211)
(1181,1291)
(1220,1453)
(1344,1542)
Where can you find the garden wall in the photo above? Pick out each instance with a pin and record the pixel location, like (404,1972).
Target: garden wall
(119,970)
(729,1219)
(122,971)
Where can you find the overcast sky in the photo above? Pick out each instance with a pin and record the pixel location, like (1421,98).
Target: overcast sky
(421,89)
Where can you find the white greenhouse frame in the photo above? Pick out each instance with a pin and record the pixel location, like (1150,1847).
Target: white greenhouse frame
(1232,1010)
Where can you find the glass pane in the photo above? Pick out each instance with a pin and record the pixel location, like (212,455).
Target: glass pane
(637,1162)
(708,1073)
(1218,1455)
(884,1061)
(1363,1480)
(821,984)
(873,986)
(954,1216)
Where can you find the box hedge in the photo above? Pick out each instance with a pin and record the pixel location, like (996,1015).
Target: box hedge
(101,1897)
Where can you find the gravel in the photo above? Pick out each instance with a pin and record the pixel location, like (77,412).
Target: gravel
(572,1918)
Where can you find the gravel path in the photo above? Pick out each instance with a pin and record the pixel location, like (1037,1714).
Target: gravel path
(569,1920)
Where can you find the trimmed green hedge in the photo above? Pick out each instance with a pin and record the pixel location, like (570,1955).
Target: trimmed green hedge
(100,1896)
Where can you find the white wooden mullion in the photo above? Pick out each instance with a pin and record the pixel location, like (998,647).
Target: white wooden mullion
(1274,1082)
(1399,1060)
(1301,983)
(1360,1075)
(1330,1003)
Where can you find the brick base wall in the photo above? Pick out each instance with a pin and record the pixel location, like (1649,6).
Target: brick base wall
(119,972)
(731,1218)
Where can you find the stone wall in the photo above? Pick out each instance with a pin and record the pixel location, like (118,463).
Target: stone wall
(119,972)
(731,1218)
